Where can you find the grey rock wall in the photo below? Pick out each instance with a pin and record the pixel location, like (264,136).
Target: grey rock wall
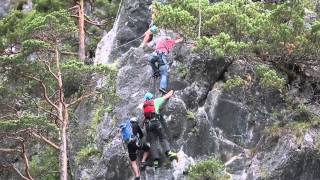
(230,125)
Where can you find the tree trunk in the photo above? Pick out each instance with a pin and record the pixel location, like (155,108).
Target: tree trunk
(63,116)
(199,30)
(81,31)
(63,152)
(26,162)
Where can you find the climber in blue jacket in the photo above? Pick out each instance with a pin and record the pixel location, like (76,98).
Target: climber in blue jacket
(132,135)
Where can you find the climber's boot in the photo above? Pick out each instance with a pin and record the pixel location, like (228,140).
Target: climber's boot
(156,164)
(143,166)
(172,155)
(163,91)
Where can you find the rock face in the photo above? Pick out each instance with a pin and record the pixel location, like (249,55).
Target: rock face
(288,158)
(132,21)
(4,8)
(203,118)
(7,5)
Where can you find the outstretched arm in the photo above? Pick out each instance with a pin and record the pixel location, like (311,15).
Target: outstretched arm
(178,40)
(168,95)
(146,39)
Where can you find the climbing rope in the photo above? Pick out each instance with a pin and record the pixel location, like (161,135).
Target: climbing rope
(154,86)
(128,42)
(118,12)
(199,31)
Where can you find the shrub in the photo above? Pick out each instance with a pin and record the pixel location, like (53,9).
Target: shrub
(183,71)
(269,78)
(234,82)
(86,152)
(220,45)
(212,169)
(45,164)
(174,18)
(190,115)
(264,29)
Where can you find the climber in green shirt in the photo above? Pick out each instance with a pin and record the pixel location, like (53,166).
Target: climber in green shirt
(151,109)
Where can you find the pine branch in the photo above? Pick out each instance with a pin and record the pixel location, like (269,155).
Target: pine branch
(49,69)
(65,52)
(74,7)
(45,93)
(9,150)
(26,161)
(80,99)
(18,172)
(69,53)
(87,20)
(49,112)
(45,140)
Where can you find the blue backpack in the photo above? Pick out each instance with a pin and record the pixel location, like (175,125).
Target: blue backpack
(126,131)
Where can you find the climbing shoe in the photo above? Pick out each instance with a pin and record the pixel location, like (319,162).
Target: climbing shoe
(163,91)
(137,178)
(143,165)
(156,164)
(172,155)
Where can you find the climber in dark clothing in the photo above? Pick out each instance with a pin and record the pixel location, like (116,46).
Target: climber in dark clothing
(154,128)
(135,144)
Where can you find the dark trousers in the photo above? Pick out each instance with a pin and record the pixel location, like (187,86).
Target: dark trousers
(155,133)
(134,146)
(161,60)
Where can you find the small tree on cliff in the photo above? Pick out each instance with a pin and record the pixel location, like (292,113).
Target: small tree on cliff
(35,76)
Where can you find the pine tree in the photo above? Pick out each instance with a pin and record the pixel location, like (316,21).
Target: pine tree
(36,63)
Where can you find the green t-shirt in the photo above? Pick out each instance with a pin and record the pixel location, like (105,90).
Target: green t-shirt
(158,102)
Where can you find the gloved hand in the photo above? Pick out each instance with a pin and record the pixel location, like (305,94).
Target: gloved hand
(156,74)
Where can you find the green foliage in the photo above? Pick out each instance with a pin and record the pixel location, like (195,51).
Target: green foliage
(183,70)
(301,108)
(264,173)
(233,18)
(269,78)
(10,29)
(195,131)
(87,152)
(50,5)
(296,128)
(190,116)
(174,18)
(219,45)
(318,144)
(76,65)
(234,82)
(109,109)
(260,28)
(51,27)
(314,37)
(97,117)
(208,169)
(28,121)
(109,9)
(45,165)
